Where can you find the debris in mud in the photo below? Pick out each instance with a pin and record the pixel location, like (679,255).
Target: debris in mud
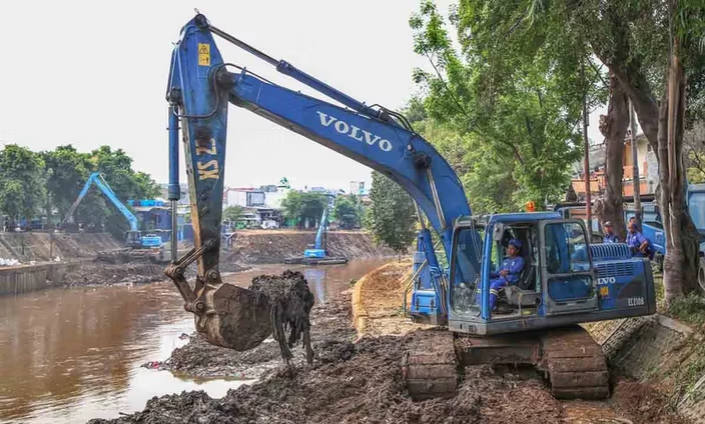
(645,403)
(348,383)
(368,387)
(107,275)
(290,300)
(330,330)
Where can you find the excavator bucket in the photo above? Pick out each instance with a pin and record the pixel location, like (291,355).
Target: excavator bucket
(240,318)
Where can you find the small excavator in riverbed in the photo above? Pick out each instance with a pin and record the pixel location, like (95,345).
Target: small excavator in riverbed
(566,279)
(317,254)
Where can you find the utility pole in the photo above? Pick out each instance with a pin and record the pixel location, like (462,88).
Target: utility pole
(586,164)
(635,164)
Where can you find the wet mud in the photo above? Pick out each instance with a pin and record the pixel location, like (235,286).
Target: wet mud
(347,383)
(331,334)
(361,381)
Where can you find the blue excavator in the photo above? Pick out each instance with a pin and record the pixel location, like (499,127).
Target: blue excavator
(566,280)
(137,245)
(317,253)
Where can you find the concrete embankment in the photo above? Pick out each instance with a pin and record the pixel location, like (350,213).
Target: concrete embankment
(37,253)
(661,352)
(42,247)
(23,279)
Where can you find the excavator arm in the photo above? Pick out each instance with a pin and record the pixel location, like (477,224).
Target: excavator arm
(98,180)
(201,86)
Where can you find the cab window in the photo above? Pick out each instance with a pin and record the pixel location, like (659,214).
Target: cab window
(566,248)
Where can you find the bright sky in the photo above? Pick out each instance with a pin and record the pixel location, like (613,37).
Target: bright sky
(90,73)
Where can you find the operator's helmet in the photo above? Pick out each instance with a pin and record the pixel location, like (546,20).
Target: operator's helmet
(516,243)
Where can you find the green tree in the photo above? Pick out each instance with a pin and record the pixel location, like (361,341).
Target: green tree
(392,215)
(304,205)
(233,213)
(653,49)
(518,104)
(66,171)
(22,182)
(347,210)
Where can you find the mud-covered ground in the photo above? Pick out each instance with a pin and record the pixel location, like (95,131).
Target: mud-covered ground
(101,274)
(362,382)
(139,272)
(331,332)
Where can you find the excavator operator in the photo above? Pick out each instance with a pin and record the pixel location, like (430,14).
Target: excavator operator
(509,273)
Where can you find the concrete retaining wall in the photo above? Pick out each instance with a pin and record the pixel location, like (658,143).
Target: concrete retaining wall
(651,349)
(43,247)
(23,279)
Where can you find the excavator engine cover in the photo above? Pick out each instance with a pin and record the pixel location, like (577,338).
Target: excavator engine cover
(240,320)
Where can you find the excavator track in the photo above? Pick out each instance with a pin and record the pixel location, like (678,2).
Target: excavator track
(575,364)
(430,365)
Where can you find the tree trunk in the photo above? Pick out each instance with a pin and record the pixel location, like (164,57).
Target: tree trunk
(681,261)
(614,127)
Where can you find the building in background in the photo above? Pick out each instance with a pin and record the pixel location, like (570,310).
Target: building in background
(648,169)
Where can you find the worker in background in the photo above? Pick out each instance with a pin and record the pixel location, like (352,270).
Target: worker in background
(610,236)
(639,245)
(509,273)
(633,220)
(530,206)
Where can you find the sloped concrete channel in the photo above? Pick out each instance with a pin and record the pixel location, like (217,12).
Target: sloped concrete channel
(27,278)
(650,349)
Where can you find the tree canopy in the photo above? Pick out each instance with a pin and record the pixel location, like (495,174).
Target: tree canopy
(49,182)
(300,206)
(503,114)
(392,215)
(22,187)
(347,211)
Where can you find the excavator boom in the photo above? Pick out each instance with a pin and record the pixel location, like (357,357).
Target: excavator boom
(200,89)
(565,281)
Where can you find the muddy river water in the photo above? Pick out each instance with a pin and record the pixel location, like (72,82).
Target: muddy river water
(69,355)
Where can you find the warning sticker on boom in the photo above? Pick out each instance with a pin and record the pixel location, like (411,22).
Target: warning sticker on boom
(204,54)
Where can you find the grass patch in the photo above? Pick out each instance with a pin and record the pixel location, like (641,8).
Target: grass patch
(689,373)
(660,291)
(689,309)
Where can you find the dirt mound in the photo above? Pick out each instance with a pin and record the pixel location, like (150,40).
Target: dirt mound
(378,299)
(108,274)
(273,246)
(367,387)
(645,403)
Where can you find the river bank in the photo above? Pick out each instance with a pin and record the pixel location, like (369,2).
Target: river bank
(360,381)
(77,353)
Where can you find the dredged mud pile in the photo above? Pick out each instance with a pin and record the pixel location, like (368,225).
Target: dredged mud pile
(348,383)
(330,328)
(367,387)
(290,302)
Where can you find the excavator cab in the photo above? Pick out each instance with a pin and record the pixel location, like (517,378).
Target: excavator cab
(565,278)
(133,239)
(558,276)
